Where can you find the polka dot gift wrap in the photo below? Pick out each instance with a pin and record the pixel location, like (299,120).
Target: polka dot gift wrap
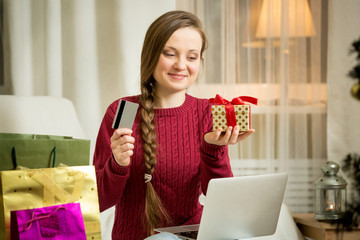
(236,112)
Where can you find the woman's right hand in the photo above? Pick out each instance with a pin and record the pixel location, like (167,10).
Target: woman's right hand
(122,145)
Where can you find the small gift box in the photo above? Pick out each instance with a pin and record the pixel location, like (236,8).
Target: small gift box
(229,114)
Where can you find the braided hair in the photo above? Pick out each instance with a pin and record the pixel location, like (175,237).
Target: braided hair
(156,37)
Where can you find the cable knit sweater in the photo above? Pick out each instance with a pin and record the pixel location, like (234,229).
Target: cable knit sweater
(185,164)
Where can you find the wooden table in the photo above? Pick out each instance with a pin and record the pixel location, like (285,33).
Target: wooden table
(313,229)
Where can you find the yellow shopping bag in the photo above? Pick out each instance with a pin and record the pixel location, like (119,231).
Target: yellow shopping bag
(35,188)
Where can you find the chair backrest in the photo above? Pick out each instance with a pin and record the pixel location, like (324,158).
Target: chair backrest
(39,115)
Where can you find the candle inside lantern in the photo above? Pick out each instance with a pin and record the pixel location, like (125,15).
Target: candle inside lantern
(330,200)
(331,207)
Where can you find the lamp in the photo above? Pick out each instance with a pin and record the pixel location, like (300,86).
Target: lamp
(285,18)
(279,18)
(330,193)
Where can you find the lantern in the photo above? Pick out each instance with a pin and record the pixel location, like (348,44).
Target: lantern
(330,193)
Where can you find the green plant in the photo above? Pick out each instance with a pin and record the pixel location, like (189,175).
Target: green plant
(355,71)
(351,218)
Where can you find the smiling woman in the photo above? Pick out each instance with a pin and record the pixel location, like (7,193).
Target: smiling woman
(159,168)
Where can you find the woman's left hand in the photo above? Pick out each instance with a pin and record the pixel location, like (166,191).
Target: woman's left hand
(231,136)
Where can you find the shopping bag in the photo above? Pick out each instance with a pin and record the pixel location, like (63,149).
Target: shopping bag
(36,188)
(59,222)
(39,151)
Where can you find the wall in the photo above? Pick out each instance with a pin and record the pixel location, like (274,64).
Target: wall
(343,109)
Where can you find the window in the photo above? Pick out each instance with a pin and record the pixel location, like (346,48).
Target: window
(285,70)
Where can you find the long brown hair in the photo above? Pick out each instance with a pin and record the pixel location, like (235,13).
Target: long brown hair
(156,37)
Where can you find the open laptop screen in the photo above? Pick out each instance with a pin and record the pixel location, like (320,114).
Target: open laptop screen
(239,207)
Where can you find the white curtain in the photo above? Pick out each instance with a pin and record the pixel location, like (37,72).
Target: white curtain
(85,50)
(283,65)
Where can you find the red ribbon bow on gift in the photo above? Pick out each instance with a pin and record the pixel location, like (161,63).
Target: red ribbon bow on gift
(229,106)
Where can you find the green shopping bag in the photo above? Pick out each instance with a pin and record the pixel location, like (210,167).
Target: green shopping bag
(42,151)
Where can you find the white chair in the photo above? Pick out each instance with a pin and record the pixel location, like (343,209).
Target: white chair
(39,115)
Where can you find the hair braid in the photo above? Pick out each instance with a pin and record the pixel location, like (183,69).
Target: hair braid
(155,39)
(155,213)
(148,128)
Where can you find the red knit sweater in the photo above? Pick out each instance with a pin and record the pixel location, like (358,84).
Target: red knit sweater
(185,164)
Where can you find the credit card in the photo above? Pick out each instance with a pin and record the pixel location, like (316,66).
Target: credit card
(125,114)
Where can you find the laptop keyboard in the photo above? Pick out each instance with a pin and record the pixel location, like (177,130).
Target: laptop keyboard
(189,234)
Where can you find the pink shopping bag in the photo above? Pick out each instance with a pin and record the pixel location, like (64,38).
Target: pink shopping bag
(59,222)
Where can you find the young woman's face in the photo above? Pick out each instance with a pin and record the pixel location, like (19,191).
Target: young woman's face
(179,62)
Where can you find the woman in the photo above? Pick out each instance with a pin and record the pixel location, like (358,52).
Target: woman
(155,172)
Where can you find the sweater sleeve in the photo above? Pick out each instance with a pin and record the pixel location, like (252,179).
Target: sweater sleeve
(111,177)
(215,162)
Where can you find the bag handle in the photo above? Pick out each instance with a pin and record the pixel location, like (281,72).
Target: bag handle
(54,157)
(13,157)
(14,160)
(34,218)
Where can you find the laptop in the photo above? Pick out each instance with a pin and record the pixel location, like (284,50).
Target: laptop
(237,208)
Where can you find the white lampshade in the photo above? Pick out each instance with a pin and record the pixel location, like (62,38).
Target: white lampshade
(290,18)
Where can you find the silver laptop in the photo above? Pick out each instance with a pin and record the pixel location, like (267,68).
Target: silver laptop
(237,208)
